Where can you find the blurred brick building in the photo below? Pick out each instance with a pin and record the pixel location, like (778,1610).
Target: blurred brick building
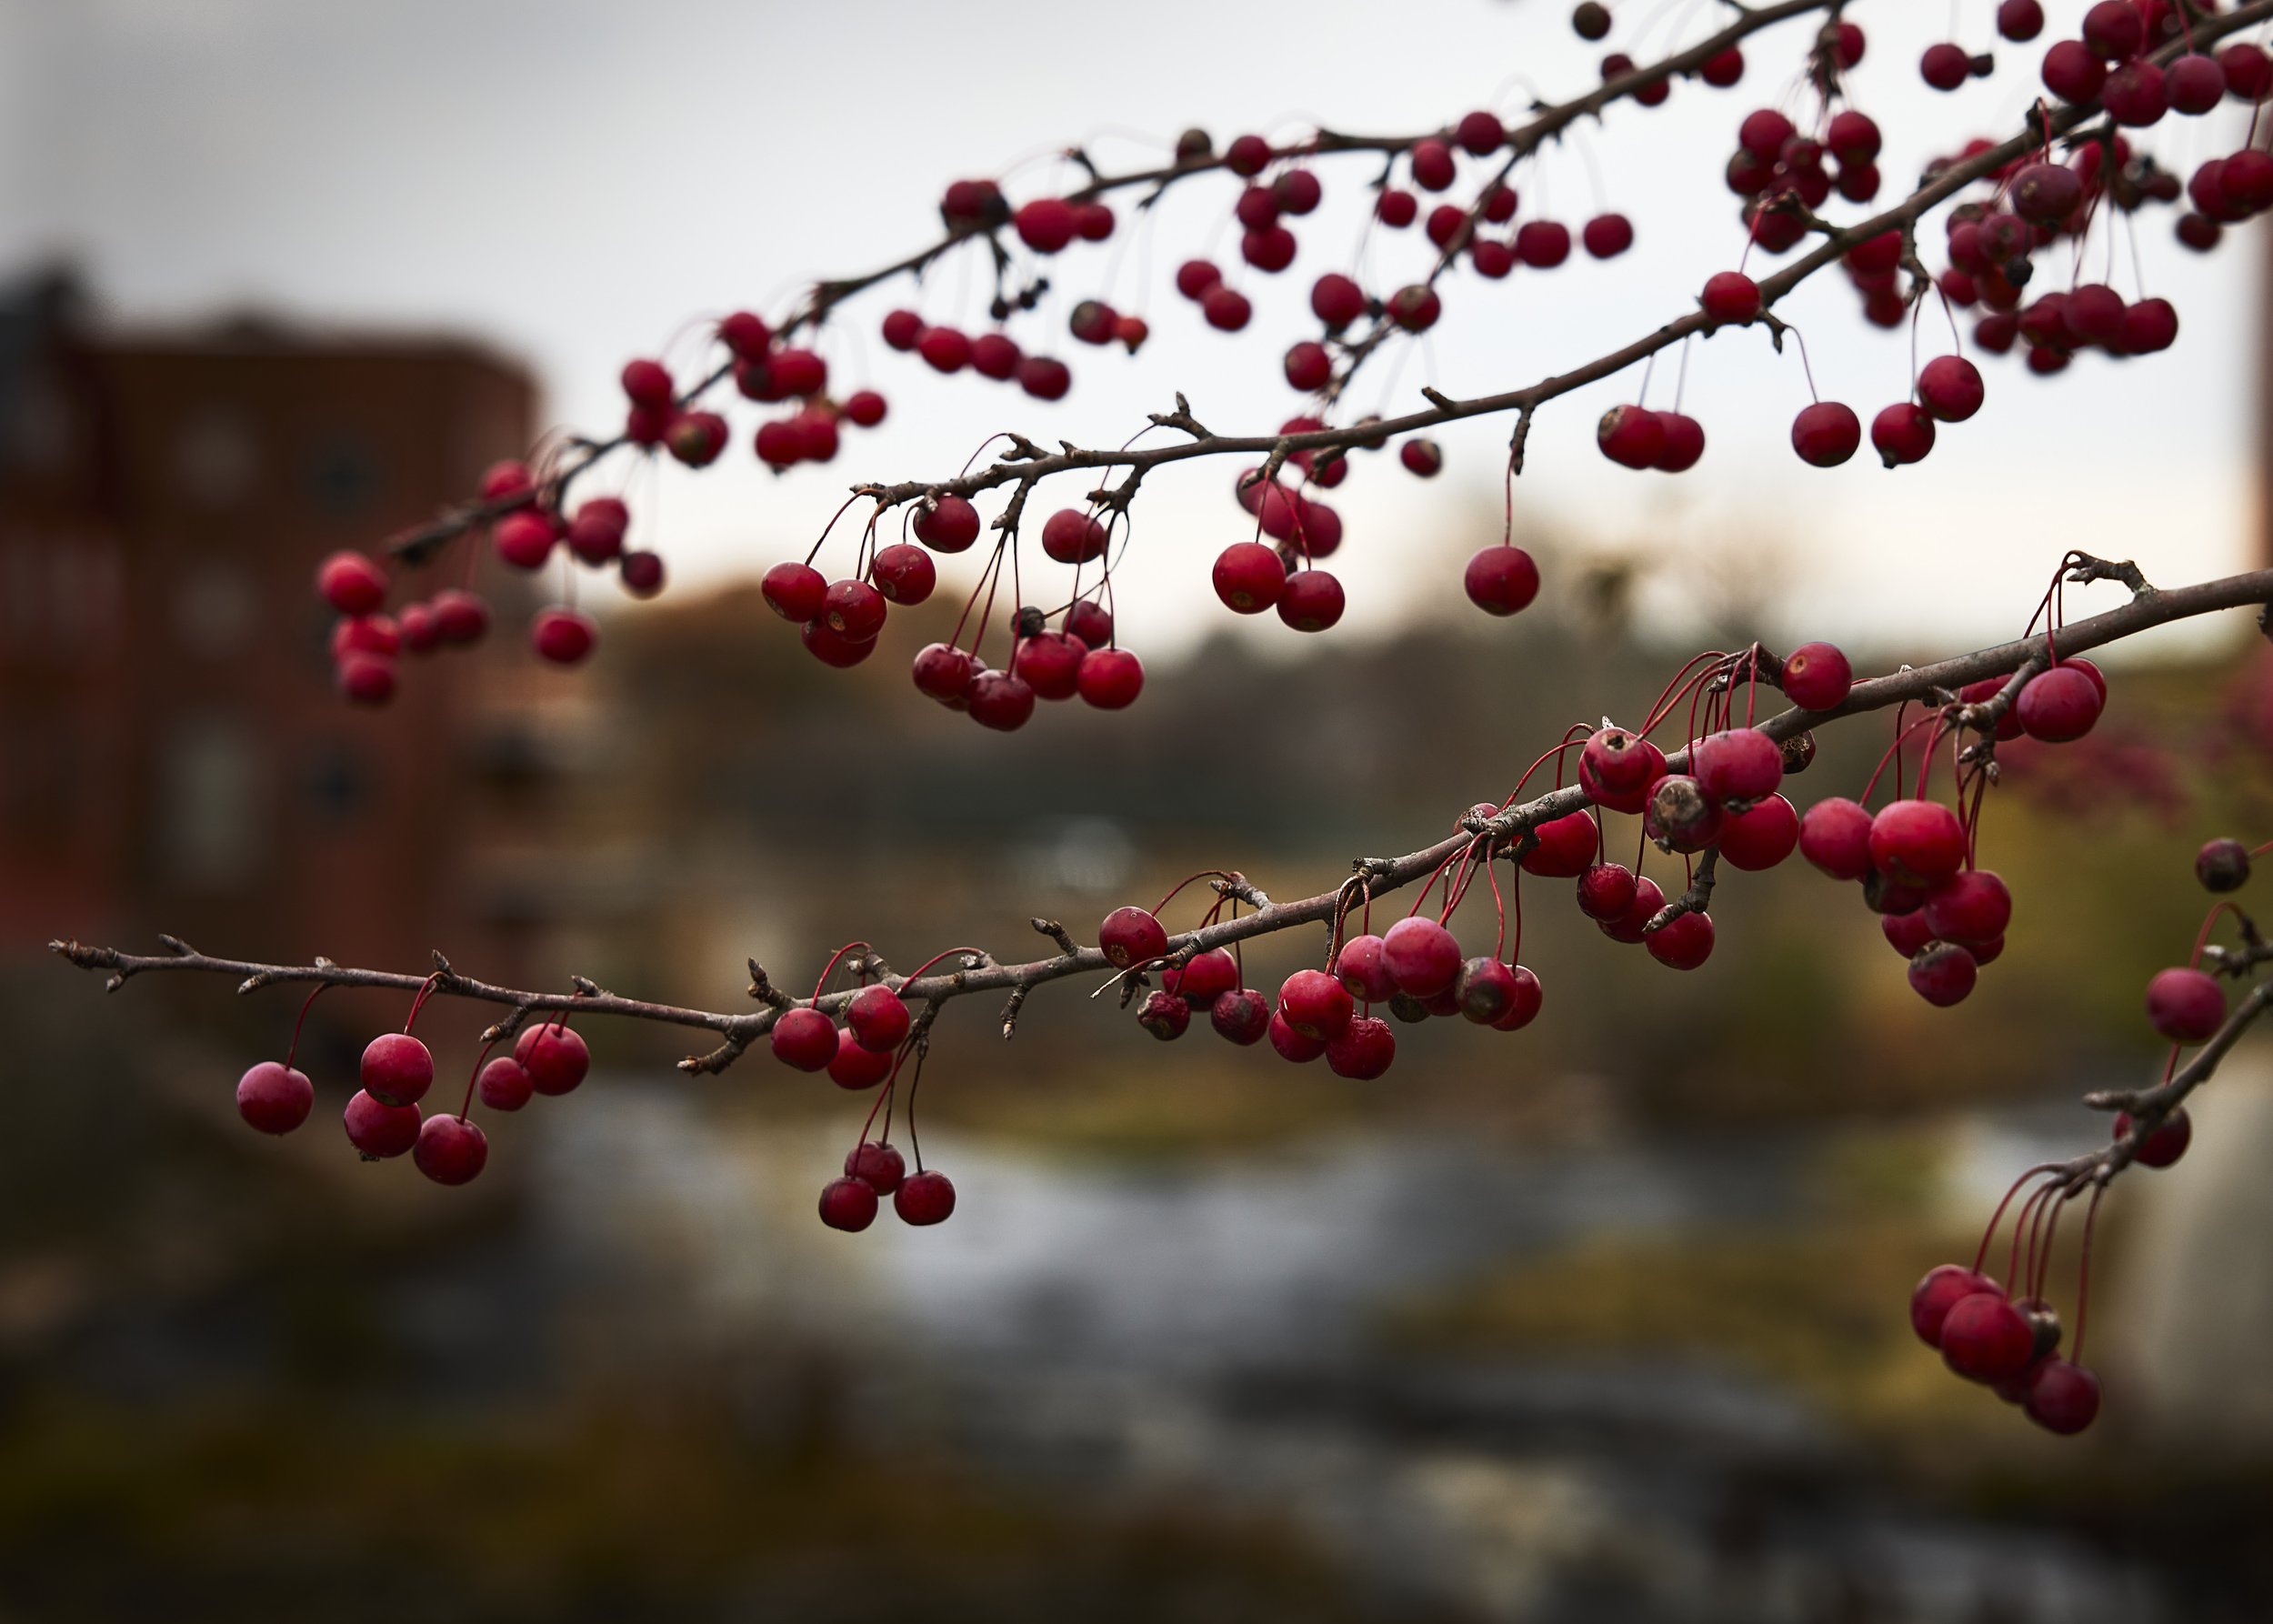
(171,754)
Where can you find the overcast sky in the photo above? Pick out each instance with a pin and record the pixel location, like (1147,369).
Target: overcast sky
(571,182)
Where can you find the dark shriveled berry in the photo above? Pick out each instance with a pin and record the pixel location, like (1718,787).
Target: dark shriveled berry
(2222,864)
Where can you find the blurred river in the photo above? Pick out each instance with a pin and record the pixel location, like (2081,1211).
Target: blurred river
(1207,1334)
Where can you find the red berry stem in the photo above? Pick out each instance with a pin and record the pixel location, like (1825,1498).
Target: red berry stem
(474,1077)
(1989,1235)
(417,1002)
(829,968)
(2083,1275)
(292,1052)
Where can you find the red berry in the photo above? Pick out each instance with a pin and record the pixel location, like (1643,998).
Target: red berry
(1523,1006)
(1915,842)
(925,1198)
(1566,846)
(450,1149)
(1730,299)
(1311,602)
(524,539)
(1363,1050)
(1501,580)
(1360,967)
(1906,934)
(1130,936)
(826,644)
(1631,436)
(1337,301)
(2071,71)
(273,1098)
(1970,905)
(879,1167)
(1632,924)
(1943,973)
(878,1019)
(379,1130)
(1110,678)
(1194,277)
(1984,1338)
(2114,30)
(2185,1006)
(806,1039)
(1421,955)
(1308,366)
(999,700)
(352,584)
(1242,1015)
(2138,95)
(1852,138)
(554,1055)
(504,479)
(2019,20)
(903,573)
(1249,576)
(1605,890)
(1608,236)
(1225,308)
(1271,250)
(943,672)
(2248,70)
(563,637)
(1762,836)
(1044,377)
(397,1069)
(459,617)
(1941,1290)
(2058,705)
(1072,537)
(1050,664)
(1164,1016)
(1293,1045)
(1091,622)
(2063,1398)
(503,1084)
(1763,133)
(366,678)
(1945,66)
(1485,989)
(1902,432)
(1950,389)
(1416,307)
(2165,1144)
(1247,155)
(848,1204)
(1044,225)
(944,524)
(1817,677)
(1433,169)
(1685,443)
(1826,434)
(854,610)
(1682,943)
(646,383)
(855,1066)
(1297,191)
(1203,979)
(1742,764)
(1315,1005)
(946,349)
(1397,209)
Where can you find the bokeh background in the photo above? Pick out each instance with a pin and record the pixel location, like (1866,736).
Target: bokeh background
(1600,1321)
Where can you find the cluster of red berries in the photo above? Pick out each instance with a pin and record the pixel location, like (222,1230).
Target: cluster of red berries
(764,370)
(382,1119)
(869,1050)
(1416,967)
(840,620)
(366,640)
(2009,1344)
(1915,856)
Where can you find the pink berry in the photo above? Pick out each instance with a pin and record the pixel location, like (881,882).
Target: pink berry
(380,1130)
(275,1098)
(397,1069)
(1917,843)
(563,637)
(1971,906)
(2058,705)
(1360,967)
(503,1084)
(1742,764)
(1566,846)
(1292,1045)
(1421,955)
(1817,677)
(2184,1005)
(450,1149)
(878,1019)
(351,583)
(1762,836)
(554,1056)
(854,610)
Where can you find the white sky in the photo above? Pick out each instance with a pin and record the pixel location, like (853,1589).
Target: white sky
(571,181)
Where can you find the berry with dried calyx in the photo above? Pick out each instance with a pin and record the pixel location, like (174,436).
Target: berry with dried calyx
(1817,677)
(1130,936)
(1679,815)
(1944,973)
(1292,1045)
(794,592)
(1312,602)
(1360,967)
(1164,1016)
(1631,436)
(1315,1005)
(1250,577)
(1242,1015)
